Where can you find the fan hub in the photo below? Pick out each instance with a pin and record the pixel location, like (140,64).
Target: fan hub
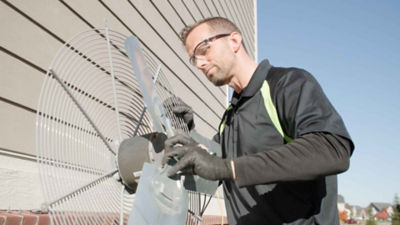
(134,152)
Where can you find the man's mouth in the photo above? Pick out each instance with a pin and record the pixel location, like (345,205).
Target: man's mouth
(208,71)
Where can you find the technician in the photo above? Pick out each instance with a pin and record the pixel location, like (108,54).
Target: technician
(282,141)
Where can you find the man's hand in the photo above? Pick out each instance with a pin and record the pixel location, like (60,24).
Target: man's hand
(194,159)
(180,109)
(179,139)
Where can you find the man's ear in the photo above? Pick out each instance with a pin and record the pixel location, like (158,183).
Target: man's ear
(236,41)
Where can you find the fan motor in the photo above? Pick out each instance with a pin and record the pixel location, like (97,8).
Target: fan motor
(134,152)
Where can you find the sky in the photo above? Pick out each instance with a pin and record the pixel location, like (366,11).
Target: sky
(353,49)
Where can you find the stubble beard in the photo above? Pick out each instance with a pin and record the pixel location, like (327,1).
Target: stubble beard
(217,82)
(219,78)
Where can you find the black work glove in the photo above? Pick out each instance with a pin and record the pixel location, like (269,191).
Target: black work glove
(180,109)
(178,139)
(195,160)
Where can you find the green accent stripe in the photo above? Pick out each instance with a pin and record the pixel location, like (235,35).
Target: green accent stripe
(222,127)
(270,107)
(287,138)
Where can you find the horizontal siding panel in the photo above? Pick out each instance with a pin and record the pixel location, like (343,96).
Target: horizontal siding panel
(132,19)
(244,5)
(222,6)
(27,40)
(221,10)
(53,15)
(17,129)
(19,82)
(200,5)
(247,19)
(244,24)
(210,6)
(182,11)
(239,17)
(96,15)
(236,18)
(173,41)
(193,10)
(169,13)
(233,13)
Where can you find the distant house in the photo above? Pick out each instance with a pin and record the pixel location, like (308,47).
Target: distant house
(347,211)
(358,212)
(343,209)
(341,204)
(381,211)
(382,215)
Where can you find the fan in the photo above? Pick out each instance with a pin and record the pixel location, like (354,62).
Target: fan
(100,119)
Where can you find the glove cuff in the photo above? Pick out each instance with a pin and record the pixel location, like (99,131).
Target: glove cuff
(233,169)
(190,125)
(230,172)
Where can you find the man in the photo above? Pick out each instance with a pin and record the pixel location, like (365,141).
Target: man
(269,176)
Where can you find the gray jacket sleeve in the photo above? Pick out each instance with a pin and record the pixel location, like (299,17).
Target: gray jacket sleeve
(308,157)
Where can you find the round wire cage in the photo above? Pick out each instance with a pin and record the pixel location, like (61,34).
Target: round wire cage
(89,103)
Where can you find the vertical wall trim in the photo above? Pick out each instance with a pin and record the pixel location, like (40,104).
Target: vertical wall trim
(255,31)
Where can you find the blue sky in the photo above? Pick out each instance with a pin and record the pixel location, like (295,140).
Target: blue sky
(353,50)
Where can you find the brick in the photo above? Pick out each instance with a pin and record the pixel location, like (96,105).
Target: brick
(2,220)
(44,219)
(30,219)
(213,220)
(13,219)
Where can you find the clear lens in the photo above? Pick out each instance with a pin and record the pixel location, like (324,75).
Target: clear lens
(201,49)
(193,60)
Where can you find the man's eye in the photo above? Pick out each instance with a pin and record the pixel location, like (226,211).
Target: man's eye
(202,50)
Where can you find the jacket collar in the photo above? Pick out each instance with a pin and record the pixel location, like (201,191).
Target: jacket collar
(255,82)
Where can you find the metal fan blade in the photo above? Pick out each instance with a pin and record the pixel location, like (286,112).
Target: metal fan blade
(160,121)
(159,199)
(155,93)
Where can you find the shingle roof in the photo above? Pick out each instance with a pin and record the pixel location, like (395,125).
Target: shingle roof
(380,205)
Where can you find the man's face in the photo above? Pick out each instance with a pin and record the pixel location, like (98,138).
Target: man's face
(213,56)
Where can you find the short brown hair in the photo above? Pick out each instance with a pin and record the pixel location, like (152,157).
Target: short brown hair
(216,23)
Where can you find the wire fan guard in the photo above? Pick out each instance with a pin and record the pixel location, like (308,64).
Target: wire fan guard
(89,103)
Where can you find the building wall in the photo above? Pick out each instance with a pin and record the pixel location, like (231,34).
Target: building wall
(33,31)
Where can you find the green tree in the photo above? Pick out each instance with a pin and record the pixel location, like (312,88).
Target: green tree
(371,220)
(396,213)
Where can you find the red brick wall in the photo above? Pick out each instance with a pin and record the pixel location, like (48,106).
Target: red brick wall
(30,218)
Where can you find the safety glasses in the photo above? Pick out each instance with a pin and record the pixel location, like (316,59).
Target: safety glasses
(201,48)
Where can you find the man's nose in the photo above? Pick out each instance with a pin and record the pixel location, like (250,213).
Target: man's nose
(201,63)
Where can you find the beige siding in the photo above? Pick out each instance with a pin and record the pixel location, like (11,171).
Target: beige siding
(17,131)
(20,82)
(33,31)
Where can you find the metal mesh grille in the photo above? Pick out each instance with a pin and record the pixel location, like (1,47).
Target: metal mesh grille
(82,117)
(91,101)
